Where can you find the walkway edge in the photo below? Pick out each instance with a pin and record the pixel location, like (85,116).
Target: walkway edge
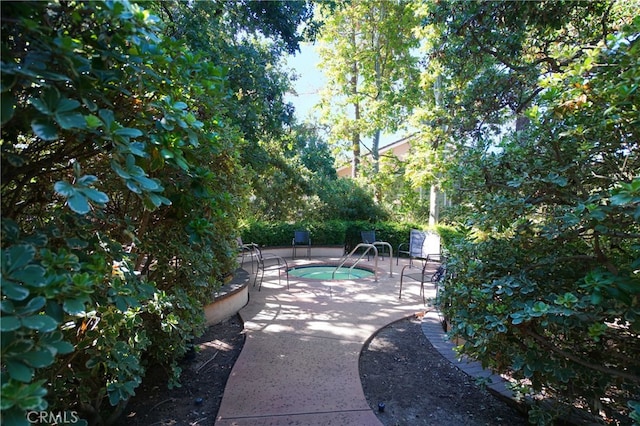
(495,384)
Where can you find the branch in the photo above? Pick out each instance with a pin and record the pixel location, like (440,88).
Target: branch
(561,259)
(528,100)
(544,342)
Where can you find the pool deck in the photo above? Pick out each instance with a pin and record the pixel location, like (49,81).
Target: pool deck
(299,363)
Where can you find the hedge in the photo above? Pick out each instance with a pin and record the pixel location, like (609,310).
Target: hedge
(335,232)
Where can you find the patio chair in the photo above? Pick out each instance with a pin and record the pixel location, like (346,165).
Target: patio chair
(246,250)
(421,244)
(369,237)
(270,262)
(414,247)
(433,270)
(301,238)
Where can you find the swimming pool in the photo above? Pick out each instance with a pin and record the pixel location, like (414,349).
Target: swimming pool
(325,272)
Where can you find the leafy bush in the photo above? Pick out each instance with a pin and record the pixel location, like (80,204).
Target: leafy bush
(119,202)
(544,286)
(333,232)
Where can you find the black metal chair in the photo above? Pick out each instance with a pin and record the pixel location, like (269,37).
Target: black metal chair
(433,270)
(269,262)
(369,237)
(245,250)
(301,238)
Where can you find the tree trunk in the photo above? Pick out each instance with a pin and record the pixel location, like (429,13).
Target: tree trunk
(433,206)
(355,141)
(375,151)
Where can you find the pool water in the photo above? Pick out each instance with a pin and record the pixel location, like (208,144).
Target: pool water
(326,273)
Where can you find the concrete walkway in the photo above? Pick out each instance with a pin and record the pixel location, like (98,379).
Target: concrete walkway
(299,363)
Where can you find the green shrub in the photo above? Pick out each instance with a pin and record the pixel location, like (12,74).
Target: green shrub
(334,232)
(118,203)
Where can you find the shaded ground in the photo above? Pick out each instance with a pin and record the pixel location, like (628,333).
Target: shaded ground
(401,369)
(203,380)
(398,367)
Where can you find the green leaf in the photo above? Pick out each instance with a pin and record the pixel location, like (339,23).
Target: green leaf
(66,105)
(7,307)
(18,371)
(9,323)
(133,187)
(38,240)
(128,132)
(74,306)
(31,275)
(71,120)
(92,121)
(78,203)
(32,306)
(44,129)
(621,199)
(166,125)
(39,358)
(62,347)
(17,256)
(132,168)
(54,310)
(64,188)
(137,148)
(42,323)
(119,170)
(87,180)
(76,243)
(107,117)
(96,196)
(146,183)
(41,106)
(166,153)
(14,291)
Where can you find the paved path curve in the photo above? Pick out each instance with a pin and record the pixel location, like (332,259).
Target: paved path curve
(299,363)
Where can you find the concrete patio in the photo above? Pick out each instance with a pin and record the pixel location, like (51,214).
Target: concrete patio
(299,364)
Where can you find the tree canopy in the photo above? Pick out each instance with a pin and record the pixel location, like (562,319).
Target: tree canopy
(366,47)
(119,130)
(136,137)
(541,158)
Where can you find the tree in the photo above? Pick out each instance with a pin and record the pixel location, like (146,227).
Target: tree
(249,39)
(372,73)
(114,137)
(543,285)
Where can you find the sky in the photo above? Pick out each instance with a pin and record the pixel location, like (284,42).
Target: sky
(310,81)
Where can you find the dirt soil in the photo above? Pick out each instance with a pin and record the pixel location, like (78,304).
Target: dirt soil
(203,379)
(399,367)
(418,386)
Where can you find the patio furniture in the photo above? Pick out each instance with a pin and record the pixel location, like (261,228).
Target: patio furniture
(301,238)
(369,237)
(420,245)
(433,270)
(270,262)
(246,250)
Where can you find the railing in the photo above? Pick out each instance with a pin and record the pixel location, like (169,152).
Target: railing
(384,243)
(369,247)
